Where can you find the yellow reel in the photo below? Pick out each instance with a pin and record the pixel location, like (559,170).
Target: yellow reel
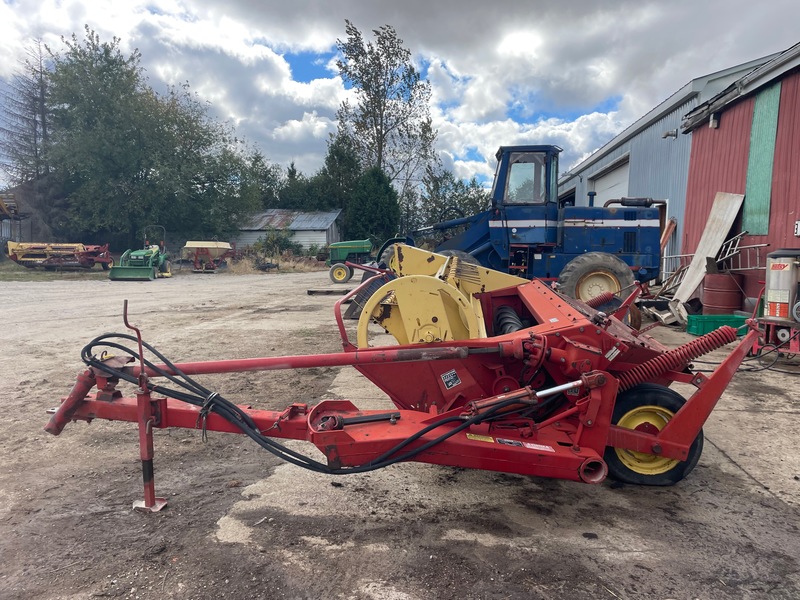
(420,309)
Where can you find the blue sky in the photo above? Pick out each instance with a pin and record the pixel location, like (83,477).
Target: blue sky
(572,74)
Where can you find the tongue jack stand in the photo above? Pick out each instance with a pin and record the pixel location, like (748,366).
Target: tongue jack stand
(146,422)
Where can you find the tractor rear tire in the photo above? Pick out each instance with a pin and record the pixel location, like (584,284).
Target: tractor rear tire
(386,256)
(634,317)
(107,265)
(340,273)
(649,407)
(593,273)
(464,257)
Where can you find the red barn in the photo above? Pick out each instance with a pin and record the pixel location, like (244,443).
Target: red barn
(746,140)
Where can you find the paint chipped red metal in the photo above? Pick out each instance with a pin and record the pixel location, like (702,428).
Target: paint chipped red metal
(785,201)
(718,163)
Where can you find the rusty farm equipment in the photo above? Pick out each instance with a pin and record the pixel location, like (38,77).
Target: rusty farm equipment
(207,257)
(490,373)
(53,256)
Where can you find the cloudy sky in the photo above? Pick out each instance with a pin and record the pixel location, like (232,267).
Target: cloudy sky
(507,72)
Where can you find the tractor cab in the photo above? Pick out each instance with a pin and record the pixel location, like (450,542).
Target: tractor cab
(524,202)
(525,175)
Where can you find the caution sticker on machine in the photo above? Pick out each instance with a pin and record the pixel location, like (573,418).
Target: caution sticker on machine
(541,447)
(509,442)
(450,379)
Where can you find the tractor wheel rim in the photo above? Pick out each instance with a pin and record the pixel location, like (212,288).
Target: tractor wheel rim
(650,419)
(595,283)
(339,273)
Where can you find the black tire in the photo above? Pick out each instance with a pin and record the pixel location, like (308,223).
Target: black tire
(166,267)
(634,317)
(653,405)
(460,255)
(594,273)
(106,266)
(386,256)
(340,273)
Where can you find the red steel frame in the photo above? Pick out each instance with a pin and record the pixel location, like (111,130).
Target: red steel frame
(92,255)
(585,358)
(203,262)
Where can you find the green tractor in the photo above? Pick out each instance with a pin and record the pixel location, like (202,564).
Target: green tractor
(354,251)
(148,263)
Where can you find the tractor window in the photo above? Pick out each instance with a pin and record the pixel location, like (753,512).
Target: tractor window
(527,178)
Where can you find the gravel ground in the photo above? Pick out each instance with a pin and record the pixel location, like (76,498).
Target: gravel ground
(240,524)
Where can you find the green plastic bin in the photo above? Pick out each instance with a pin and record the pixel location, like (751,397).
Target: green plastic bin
(703,324)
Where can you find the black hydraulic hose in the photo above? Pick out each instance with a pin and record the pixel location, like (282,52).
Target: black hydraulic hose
(200,396)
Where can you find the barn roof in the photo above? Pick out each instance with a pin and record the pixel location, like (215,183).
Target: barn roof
(776,68)
(293,220)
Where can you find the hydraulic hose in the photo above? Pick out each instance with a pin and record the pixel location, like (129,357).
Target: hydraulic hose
(198,395)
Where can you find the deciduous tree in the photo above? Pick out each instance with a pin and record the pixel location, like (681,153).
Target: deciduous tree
(128,157)
(389,125)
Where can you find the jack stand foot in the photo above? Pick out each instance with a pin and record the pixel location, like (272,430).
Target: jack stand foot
(140,505)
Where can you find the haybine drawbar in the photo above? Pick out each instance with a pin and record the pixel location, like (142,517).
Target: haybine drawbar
(568,392)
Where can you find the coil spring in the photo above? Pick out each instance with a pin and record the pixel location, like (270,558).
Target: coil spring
(677,358)
(600,299)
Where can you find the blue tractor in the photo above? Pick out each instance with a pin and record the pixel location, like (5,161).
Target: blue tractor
(526,231)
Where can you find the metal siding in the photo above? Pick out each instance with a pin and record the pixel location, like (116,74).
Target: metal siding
(755,212)
(785,205)
(718,163)
(247,238)
(660,167)
(309,238)
(785,184)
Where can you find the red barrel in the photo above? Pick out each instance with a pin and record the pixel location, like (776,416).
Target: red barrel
(722,293)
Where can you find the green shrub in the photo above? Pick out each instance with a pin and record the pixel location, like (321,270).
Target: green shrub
(275,242)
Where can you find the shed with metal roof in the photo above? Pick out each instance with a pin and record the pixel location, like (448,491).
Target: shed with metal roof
(306,228)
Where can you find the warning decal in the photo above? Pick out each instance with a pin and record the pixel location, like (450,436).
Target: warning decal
(509,442)
(480,438)
(450,379)
(541,447)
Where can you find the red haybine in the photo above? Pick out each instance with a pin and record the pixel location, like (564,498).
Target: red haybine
(556,389)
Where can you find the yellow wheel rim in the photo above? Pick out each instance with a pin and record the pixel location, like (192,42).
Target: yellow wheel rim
(650,419)
(339,273)
(595,283)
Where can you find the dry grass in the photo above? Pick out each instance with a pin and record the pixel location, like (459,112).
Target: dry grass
(11,271)
(245,266)
(285,264)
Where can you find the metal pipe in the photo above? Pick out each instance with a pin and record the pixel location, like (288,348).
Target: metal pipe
(339,359)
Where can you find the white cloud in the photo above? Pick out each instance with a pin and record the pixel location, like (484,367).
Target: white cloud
(553,63)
